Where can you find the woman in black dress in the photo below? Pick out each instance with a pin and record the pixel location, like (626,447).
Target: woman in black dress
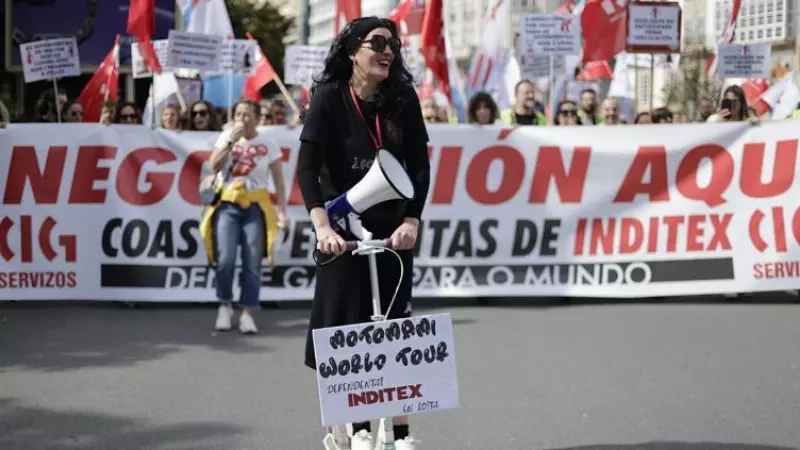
(363,101)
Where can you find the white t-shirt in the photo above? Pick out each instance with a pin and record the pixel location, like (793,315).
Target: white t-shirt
(252,158)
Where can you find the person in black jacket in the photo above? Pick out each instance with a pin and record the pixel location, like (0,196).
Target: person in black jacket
(362,101)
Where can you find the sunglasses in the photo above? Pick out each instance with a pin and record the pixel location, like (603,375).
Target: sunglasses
(379,42)
(200,113)
(128,116)
(569,112)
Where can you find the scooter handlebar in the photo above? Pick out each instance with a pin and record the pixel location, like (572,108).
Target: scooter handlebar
(322,259)
(352,245)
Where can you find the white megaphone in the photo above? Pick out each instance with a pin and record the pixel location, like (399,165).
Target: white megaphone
(386,180)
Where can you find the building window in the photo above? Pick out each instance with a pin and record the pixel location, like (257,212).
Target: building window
(769,7)
(761,20)
(761,8)
(741,36)
(760,34)
(750,35)
(779,17)
(769,32)
(779,6)
(769,18)
(778,32)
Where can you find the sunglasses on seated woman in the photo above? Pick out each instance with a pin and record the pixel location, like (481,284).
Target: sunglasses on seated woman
(379,42)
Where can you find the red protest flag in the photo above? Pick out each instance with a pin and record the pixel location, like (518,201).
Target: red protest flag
(595,70)
(603,25)
(346,12)
(432,45)
(103,86)
(142,25)
(263,76)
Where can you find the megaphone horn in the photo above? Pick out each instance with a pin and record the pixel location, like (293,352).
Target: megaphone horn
(386,180)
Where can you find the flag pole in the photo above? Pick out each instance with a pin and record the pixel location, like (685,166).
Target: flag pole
(451,58)
(152,103)
(55,99)
(652,78)
(285,93)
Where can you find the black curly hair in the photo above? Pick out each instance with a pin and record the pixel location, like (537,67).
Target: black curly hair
(339,66)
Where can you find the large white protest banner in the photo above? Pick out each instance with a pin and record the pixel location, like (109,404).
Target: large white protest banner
(93,212)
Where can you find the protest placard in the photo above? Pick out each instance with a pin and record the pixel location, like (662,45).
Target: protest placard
(238,57)
(386,369)
(194,51)
(302,63)
(538,66)
(414,62)
(744,60)
(50,59)
(138,67)
(550,34)
(654,27)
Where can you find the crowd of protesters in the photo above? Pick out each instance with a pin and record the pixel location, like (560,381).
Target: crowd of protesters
(199,116)
(482,110)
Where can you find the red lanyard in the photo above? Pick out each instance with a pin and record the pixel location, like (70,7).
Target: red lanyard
(377,140)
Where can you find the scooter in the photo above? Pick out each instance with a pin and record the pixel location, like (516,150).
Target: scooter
(338,437)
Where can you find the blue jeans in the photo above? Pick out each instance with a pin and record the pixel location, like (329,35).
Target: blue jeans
(233,227)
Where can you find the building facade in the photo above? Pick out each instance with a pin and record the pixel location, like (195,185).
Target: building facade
(694,15)
(772,21)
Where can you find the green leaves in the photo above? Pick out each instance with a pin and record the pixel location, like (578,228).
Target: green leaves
(267,25)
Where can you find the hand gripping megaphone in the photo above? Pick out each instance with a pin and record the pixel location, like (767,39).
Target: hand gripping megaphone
(386,180)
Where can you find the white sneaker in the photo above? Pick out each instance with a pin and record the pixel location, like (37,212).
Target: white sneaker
(409,443)
(224,316)
(336,439)
(362,441)
(247,325)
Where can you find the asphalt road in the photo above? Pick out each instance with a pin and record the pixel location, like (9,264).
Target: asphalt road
(705,376)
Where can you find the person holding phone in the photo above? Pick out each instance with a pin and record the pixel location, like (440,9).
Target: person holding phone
(733,107)
(243,214)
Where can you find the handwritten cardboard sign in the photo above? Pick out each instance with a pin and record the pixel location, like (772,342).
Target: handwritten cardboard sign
(386,369)
(194,51)
(654,27)
(550,34)
(538,66)
(238,57)
(49,59)
(744,60)
(302,63)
